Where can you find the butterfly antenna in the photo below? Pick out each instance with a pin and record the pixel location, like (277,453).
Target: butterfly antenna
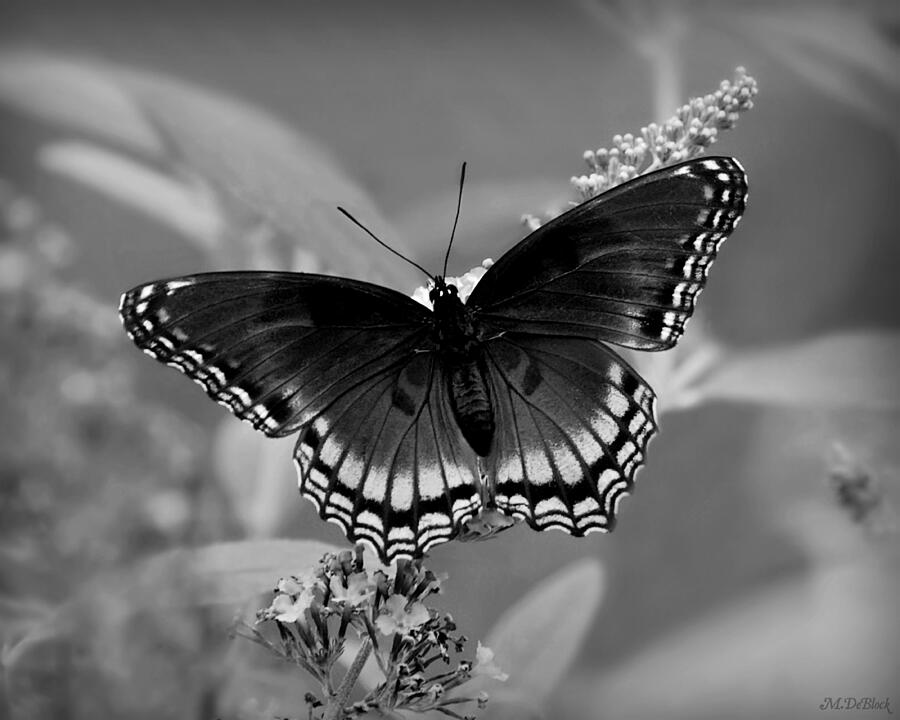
(462,181)
(383,244)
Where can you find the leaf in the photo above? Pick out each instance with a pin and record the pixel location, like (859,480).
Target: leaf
(852,369)
(76,96)
(774,653)
(537,639)
(280,175)
(190,210)
(267,172)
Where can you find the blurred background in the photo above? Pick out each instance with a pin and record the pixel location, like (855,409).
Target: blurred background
(754,573)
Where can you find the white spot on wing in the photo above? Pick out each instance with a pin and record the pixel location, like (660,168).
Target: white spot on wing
(607,478)
(351,471)
(617,402)
(586,507)
(587,445)
(537,467)
(604,426)
(688,271)
(430,521)
(431,481)
(375,487)
(176,284)
(401,492)
(370,520)
(625,453)
(570,470)
(401,534)
(330,451)
(552,507)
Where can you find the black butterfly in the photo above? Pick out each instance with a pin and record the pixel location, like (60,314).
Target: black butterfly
(411,422)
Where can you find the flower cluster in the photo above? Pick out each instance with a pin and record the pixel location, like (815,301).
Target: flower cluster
(465,283)
(694,128)
(414,646)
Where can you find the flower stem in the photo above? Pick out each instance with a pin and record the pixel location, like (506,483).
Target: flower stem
(337,702)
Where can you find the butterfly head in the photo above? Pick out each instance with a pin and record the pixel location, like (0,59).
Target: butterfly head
(442,290)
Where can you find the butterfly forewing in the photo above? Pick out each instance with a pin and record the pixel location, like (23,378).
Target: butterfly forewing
(574,421)
(387,463)
(269,345)
(624,267)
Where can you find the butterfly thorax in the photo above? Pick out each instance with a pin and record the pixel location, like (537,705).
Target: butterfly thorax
(457,337)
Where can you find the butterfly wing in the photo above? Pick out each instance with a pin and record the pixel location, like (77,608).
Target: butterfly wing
(348,364)
(624,267)
(573,425)
(386,461)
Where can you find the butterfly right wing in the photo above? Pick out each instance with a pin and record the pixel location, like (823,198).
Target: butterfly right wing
(624,267)
(350,365)
(573,424)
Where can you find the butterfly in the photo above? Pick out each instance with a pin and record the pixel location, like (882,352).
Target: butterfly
(412,421)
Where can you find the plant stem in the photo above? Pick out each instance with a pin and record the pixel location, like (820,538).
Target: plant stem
(336,703)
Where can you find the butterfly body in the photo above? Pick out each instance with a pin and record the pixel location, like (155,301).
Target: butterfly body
(459,343)
(415,423)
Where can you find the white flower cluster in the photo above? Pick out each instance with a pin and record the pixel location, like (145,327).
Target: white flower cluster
(465,283)
(694,127)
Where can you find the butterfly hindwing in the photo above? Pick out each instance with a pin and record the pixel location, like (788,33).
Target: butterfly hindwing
(624,267)
(386,461)
(270,346)
(574,421)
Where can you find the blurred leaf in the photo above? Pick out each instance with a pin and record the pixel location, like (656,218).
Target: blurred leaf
(852,369)
(267,170)
(537,639)
(257,474)
(676,375)
(776,653)
(190,210)
(76,96)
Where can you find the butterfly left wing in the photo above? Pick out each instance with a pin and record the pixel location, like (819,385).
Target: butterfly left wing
(574,421)
(270,345)
(386,461)
(351,366)
(624,267)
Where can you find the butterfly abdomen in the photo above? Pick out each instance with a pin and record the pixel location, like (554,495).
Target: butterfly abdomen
(471,404)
